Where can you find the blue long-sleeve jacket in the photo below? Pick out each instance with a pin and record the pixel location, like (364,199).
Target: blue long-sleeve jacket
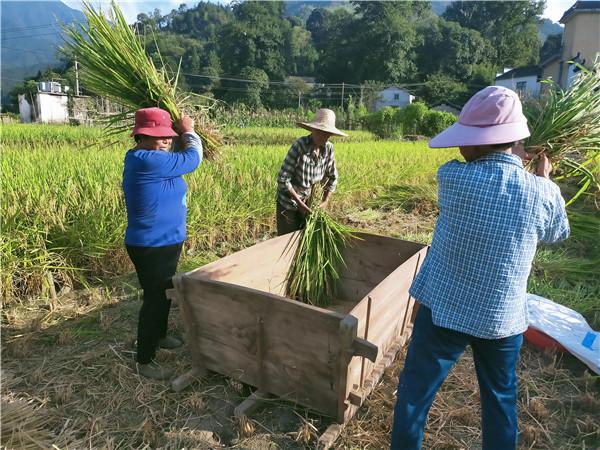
(155,193)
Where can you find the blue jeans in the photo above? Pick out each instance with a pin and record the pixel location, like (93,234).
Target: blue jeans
(432,353)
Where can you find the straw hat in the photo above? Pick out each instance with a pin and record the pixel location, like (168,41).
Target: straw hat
(324,121)
(493,115)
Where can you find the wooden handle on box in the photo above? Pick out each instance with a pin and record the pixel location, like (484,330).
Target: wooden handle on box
(362,347)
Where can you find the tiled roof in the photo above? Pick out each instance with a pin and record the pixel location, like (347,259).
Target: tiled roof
(580,6)
(520,72)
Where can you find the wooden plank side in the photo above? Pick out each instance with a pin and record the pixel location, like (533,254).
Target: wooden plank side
(374,257)
(412,307)
(263,266)
(389,308)
(301,343)
(353,290)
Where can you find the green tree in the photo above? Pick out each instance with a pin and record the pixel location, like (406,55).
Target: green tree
(331,32)
(434,122)
(383,49)
(412,116)
(301,55)
(510,26)
(251,93)
(551,47)
(442,88)
(450,49)
(202,22)
(256,38)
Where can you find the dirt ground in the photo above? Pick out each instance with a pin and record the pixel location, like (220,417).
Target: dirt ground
(68,380)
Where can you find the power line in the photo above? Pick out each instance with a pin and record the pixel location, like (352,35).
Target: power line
(32,27)
(228,78)
(283,83)
(28,36)
(24,50)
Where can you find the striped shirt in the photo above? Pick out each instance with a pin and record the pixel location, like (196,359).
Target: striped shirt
(492,215)
(302,168)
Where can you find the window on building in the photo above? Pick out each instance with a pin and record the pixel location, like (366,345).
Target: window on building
(396,96)
(521,86)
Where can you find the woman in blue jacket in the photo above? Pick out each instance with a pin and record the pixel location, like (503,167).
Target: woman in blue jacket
(155,196)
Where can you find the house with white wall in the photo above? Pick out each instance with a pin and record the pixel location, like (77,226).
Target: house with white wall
(523,80)
(48,105)
(393,96)
(51,104)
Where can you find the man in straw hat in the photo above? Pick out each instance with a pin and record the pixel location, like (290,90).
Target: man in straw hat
(472,285)
(310,160)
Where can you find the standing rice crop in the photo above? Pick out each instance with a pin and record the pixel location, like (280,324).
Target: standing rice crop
(114,65)
(63,208)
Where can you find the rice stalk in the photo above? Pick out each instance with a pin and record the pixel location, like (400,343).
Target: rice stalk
(114,65)
(420,197)
(26,427)
(315,269)
(585,229)
(565,124)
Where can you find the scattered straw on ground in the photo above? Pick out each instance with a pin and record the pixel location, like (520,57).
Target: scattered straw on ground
(68,378)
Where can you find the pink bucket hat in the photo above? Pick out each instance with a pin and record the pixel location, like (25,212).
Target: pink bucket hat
(153,122)
(493,115)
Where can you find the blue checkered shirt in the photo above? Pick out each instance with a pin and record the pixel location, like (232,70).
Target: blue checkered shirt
(492,215)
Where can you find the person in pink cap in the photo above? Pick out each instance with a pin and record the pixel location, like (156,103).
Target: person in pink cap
(155,197)
(472,285)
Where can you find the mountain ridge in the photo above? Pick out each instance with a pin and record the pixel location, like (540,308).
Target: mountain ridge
(30,35)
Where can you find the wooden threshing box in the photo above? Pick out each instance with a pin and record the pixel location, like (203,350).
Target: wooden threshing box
(239,324)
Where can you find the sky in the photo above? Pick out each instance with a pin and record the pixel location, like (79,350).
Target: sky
(131,8)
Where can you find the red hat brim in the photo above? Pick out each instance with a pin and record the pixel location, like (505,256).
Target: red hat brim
(155,132)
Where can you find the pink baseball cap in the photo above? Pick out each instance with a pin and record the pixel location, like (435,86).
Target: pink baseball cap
(153,122)
(493,115)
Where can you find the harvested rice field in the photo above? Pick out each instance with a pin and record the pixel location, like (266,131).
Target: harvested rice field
(71,299)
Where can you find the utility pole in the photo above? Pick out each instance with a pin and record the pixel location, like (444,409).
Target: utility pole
(342,95)
(361,95)
(76,78)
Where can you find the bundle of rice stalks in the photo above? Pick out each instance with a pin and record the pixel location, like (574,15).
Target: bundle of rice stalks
(565,124)
(314,271)
(115,65)
(25,427)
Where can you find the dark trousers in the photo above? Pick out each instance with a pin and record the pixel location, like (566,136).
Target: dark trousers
(432,353)
(288,221)
(155,266)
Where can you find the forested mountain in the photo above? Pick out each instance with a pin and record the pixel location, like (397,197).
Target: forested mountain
(441,58)
(245,51)
(30,33)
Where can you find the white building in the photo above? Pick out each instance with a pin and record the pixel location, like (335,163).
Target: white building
(523,80)
(393,96)
(48,105)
